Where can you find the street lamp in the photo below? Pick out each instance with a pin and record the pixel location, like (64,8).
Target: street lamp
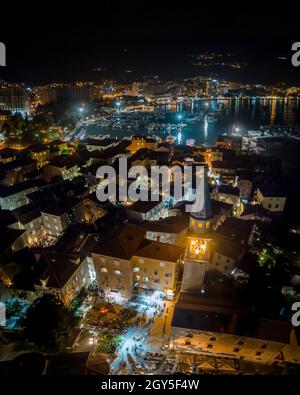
(236,129)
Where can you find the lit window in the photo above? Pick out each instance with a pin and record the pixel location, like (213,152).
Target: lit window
(117,263)
(102,259)
(193,224)
(207,225)
(146,279)
(117,272)
(103,269)
(199,225)
(136,269)
(162,264)
(137,277)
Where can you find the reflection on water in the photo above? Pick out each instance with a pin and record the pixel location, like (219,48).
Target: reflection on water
(239,114)
(205,128)
(242,114)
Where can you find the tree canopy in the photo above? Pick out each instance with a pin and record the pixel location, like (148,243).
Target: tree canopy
(49,324)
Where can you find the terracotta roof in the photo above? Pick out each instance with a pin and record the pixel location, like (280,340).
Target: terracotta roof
(255,209)
(227,247)
(221,314)
(229,190)
(58,269)
(6,191)
(124,245)
(168,225)
(8,237)
(60,207)
(219,206)
(19,162)
(144,207)
(271,190)
(26,214)
(159,251)
(235,228)
(7,153)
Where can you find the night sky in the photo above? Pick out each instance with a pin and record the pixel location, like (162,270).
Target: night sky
(47,43)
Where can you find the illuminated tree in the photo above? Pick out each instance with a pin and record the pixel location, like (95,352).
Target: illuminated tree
(267,258)
(108,342)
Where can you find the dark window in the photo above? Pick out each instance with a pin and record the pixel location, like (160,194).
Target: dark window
(187,343)
(209,346)
(236,350)
(258,353)
(241,343)
(263,346)
(213,339)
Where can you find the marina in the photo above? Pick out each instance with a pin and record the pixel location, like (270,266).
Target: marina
(201,122)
